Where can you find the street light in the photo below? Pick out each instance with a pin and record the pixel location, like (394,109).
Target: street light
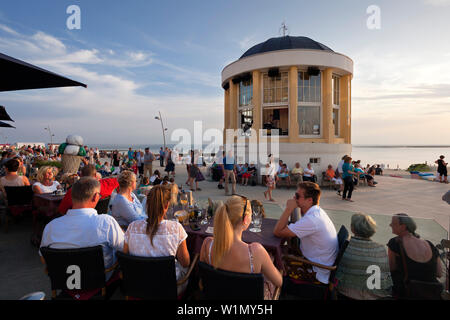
(162,128)
(51,135)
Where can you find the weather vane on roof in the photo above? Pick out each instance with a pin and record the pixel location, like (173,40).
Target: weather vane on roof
(284,28)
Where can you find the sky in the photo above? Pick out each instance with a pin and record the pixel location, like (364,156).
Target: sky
(141,57)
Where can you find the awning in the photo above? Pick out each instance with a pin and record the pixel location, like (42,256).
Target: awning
(5,125)
(19,75)
(4,115)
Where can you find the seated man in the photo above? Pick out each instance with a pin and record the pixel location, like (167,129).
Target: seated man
(378,170)
(308,174)
(318,236)
(107,186)
(297,174)
(331,174)
(82,227)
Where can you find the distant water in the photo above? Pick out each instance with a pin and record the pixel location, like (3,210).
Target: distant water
(401,157)
(393,156)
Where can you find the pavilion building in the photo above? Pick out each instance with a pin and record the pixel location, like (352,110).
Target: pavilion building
(299,88)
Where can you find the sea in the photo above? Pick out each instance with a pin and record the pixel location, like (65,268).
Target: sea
(391,157)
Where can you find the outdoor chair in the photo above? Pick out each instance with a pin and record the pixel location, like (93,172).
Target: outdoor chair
(361,178)
(299,289)
(150,278)
(326,181)
(92,281)
(18,201)
(283,182)
(102,205)
(217,284)
(296,178)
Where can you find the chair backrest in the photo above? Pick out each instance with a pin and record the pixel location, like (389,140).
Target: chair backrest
(226,285)
(102,205)
(19,196)
(152,278)
(65,263)
(343,240)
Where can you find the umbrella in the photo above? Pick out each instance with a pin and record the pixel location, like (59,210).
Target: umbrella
(4,115)
(19,75)
(5,125)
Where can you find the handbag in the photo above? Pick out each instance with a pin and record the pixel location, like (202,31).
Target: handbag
(416,289)
(199,176)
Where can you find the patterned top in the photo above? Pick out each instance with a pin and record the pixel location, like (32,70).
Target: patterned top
(166,241)
(353,272)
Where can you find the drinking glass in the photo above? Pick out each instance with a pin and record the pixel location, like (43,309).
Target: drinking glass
(205,219)
(184,200)
(257,220)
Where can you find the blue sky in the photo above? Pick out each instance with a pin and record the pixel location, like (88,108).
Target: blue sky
(143,56)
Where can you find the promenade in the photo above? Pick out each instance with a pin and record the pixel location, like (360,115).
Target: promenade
(21,271)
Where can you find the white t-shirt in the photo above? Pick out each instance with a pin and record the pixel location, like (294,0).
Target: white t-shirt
(308,172)
(340,164)
(319,241)
(47,189)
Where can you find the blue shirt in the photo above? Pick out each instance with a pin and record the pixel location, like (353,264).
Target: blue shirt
(130,155)
(345,168)
(81,228)
(228,164)
(125,211)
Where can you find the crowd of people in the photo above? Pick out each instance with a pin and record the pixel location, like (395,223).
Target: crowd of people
(142,228)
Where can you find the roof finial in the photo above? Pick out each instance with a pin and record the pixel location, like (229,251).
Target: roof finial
(284,28)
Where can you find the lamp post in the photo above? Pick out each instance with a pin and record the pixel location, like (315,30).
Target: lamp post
(162,128)
(51,135)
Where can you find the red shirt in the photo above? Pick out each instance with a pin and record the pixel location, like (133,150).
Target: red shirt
(107,186)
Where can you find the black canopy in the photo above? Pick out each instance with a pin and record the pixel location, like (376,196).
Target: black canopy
(19,75)
(4,115)
(5,125)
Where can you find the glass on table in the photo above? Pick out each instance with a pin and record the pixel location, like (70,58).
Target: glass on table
(256,219)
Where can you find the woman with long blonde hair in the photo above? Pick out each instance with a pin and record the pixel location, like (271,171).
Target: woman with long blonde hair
(227,251)
(158,237)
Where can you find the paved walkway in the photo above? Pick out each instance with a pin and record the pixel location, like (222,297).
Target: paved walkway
(21,271)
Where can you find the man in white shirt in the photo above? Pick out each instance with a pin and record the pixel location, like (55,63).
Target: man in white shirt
(82,227)
(318,236)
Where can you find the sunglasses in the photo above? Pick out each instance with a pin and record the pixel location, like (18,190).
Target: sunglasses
(297,196)
(245,207)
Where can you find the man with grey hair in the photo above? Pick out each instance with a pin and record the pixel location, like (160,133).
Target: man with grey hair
(82,227)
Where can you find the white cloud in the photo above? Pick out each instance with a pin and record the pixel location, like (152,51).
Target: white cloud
(110,109)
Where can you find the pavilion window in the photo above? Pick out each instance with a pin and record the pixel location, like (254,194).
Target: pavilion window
(275,111)
(336,103)
(309,103)
(246,105)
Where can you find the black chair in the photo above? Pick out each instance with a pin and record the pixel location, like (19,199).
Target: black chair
(312,291)
(226,285)
(102,205)
(91,270)
(19,200)
(150,278)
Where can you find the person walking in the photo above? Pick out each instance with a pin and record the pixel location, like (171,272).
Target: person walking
(347,175)
(161,157)
(228,164)
(442,169)
(149,157)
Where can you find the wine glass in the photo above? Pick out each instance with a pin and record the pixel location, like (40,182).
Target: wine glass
(184,200)
(257,219)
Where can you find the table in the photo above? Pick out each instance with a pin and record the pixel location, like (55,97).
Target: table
(45,209)
(266,238)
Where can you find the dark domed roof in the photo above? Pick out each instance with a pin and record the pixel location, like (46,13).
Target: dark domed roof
(285,43)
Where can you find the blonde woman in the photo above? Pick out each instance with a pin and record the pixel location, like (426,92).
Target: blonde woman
(227,251)
(158,237)
(126,207)
(46,182)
